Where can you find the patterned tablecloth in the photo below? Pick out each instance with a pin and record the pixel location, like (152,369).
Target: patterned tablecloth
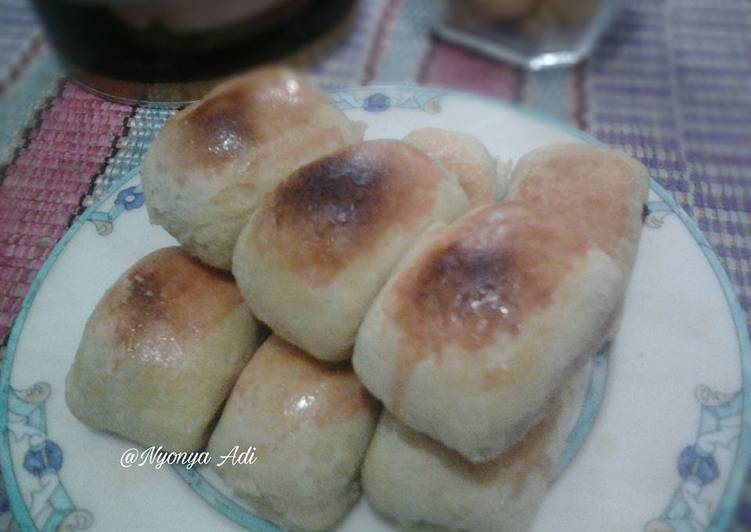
(670,84)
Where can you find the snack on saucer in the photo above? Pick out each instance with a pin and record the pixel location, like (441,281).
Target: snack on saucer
(494,10)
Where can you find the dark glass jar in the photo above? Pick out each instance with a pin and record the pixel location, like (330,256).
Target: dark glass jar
(176,50)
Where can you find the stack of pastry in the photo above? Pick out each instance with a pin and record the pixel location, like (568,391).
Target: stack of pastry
(389,274)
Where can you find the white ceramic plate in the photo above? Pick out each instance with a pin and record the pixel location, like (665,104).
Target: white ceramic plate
(661,444)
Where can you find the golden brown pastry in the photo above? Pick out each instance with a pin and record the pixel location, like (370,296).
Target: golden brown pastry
(214,161)
(314,255)
(599,191)
(413,479)
(161,352)
(482,323)
(464,156)
(310,423)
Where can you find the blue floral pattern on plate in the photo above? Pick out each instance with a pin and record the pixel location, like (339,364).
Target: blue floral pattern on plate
(697,464)
(127,199)
(26,433)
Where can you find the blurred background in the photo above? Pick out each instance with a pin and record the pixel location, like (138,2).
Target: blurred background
(86,84)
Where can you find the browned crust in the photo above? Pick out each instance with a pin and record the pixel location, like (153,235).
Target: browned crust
(494,267)
(167,296)
(570,182)
(333,210)
(241,114)
(481,277)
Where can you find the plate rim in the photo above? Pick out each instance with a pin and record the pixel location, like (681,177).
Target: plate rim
(730,497)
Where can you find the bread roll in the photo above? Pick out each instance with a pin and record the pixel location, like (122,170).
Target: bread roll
(310,423)
(477,331)
(462,155)
(600,191)
(314,255)
(161,352)
(214,161)
(414,479)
